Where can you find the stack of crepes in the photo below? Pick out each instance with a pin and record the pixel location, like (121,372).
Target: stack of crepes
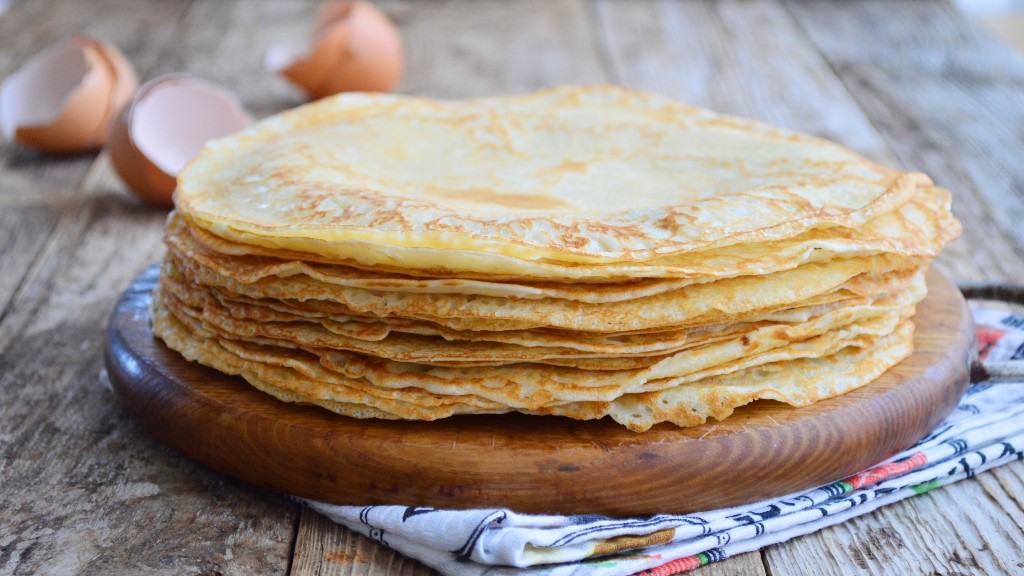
(580,252)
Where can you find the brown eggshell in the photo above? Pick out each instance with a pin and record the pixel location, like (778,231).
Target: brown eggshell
(164,126)
(126,82)
(356,47)
(313,71)
(61,100)
(137,172)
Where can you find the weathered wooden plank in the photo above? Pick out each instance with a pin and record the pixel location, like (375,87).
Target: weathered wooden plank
(902,35)
(714,54)
(949,100)
(22,236)
(451,50)
(225,42)
(926,535)
(85,490)
(461,50)
(330,550)
(69,224)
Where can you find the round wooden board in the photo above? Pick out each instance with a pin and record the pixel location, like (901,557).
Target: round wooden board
(530,463)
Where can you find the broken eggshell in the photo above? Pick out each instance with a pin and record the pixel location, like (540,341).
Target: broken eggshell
(165,126)
(354,47)
(64,99)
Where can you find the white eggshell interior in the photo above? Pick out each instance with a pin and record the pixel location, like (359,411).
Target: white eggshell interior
(282,55)
(36,93)
(173,119)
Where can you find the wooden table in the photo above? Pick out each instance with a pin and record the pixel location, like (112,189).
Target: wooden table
(84,490)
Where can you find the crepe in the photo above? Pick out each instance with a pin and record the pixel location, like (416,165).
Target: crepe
(918,228)
(296,377)
(421,346)
(731,297)
(583,175)
(578,252)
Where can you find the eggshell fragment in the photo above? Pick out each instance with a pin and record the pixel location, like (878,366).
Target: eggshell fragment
(165,126)
(355,47)
(64,99)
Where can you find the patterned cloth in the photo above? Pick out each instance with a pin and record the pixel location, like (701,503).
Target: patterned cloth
(986,430)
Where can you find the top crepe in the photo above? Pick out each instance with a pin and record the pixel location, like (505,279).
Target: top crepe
(594,176)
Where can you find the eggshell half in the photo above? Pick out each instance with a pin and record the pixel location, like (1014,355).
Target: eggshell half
(354,47)
(126,82)
(165,126)
(64,99)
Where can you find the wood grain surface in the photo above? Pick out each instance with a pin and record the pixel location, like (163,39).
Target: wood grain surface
(537,464)
(84,490)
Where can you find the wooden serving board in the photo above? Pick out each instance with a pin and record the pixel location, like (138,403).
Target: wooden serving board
(531,463)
